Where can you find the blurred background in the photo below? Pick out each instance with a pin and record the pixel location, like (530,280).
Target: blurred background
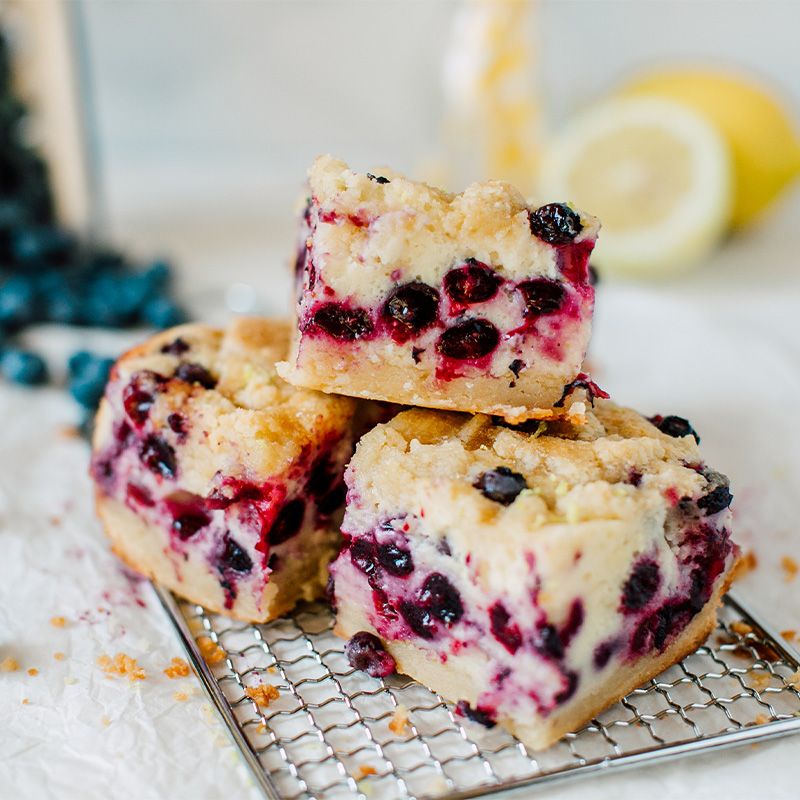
(184,130)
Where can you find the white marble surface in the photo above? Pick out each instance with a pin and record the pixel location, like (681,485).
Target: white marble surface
(721,347)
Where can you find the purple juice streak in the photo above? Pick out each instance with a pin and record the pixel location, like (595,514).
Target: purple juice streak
(138,495)
(288,522)
(507,634)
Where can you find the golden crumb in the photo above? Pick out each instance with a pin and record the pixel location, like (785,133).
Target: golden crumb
(121,665)
(794,679)
(790,568)
(9,664)
(24,701)
(59,656)
(58,622)
(742,628)
(33,671)
(399,720)
(762,719)
(760,681)
(178,668)
(70,432)
(789,635)
(179,696)
(105,720)
(210,650)
(263,695)
(364,770)
(747,563)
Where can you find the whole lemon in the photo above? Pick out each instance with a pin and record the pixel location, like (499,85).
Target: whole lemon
(751,116)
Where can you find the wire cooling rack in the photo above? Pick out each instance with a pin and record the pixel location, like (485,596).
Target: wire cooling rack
(312,728)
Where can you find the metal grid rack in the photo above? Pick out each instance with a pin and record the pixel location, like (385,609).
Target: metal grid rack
(333,733)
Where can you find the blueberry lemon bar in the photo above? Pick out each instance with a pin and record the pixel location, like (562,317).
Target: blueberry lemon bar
(470,302)
(532,574)
(217,478)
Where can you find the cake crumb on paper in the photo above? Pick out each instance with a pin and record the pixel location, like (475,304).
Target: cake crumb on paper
(178,668)
(789,635)
(105,720)
(212,653)
(790,568)
(399,720)
(33,671)
(364,770)
(59,656)
(9,664)
(263,695)
(69,680)
(740,627)
(58,622)
(747,563)
(179,696)
(121,665)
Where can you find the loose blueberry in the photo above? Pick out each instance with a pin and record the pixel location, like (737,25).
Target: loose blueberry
(508,635)
(158,456)
(288,522)
(234,557)
(555,223)
(365,651)
(501,485)
(411,308)
(474,283)
(162,312)
(641,587)
(468,340)
(88,378)
(342,323)
(395,560)
(478,715)
(674,426)
(195,373)
(442,598)
(23,366)
(18,304)
(541,297)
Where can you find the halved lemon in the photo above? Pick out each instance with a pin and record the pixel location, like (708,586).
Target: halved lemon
(752,117)
(657,174)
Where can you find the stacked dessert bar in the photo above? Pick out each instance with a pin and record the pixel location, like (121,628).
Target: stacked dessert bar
(514,540)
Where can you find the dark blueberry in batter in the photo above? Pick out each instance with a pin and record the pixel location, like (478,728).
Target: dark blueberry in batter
(342,323)
(555,223)
(411,308)
(473,339)
(195,373)
(541,297)
(508,635)
(442,598)
(288,522)
(158,456)
(234,557)
(474,283)
(395,560)
(716,500)
(501,485)
(475,714)
(642,585)
(674,426)
(419,619)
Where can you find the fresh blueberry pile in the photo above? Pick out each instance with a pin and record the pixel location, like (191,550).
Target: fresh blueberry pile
(48,275)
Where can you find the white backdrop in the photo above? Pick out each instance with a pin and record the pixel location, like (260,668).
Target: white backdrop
(217,107)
